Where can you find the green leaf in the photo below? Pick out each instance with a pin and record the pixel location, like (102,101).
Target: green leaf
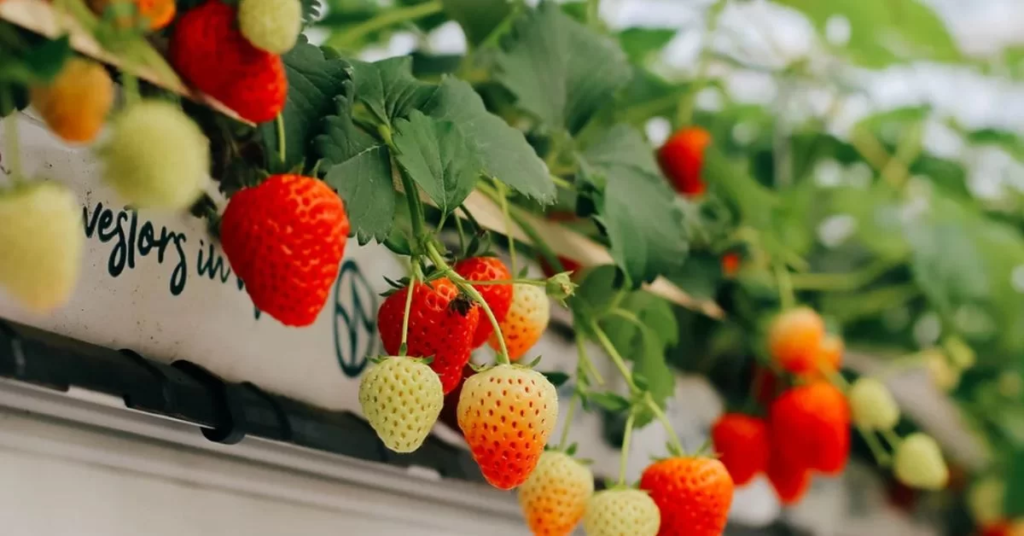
(1005,140)
(389,89)
(556,378)
(314,79)
(650,364)
(610,401)
(359,167)
(598,292)
(639,214)
(438,158)
(640,43)
(559,70)
(311,10)
(1013,505)
(884,32)
(503,150)
(478,18)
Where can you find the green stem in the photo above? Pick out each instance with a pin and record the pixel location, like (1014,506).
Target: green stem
(390,17)
(281,141)
(536,240)
(465,286)
(616,358)
(503,202)
(625,447)
(688,104)
(786,295)
(660,415)
(891,438)
(404,348)
(13,153)
(568,422)
(584,360)
(562,183)
(877,450)
(846,281)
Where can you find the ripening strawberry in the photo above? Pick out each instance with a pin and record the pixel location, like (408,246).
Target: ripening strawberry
(212,55)
(794,340)
(829,359)
(76,102)
(742,443)
(271,25)
(810,426)
(506,414)
(692,494)
(401,399)
(526,320)
(156,156)
(285,239)
(621,512)
(790,479)
(441,325)
(682,160)
(872,405)
(918,463)
(555,496)
(41,239)
(151,15)
(497,297)
(568,264)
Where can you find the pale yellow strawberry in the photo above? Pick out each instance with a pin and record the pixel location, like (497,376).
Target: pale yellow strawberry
(270,25)
(918,463)
(872,405)
(401,398)
(41,240)
(526,320)
(622,512)
(555,496)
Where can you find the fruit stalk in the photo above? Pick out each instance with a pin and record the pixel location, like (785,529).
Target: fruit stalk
(660,415)
(620,363)
(536,240)
(281,140)
(404,348)
(625,447)
(876,448)
(562,442)
(503,201)
(464,286)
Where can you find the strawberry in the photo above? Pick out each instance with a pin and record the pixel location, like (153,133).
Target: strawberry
(568,264)
(526,320)
(41,239)
(790,480)
(156,156)
(829,358)
(76,102)
(731,262)
(996,528)
(682,158)
(555,496)
(285,239)
(209,52)
(794,340)
(270,25)
(742,443)
(497,297)
(621,512)
(872,405)
(918,463)
(693,495)
(148,14)
(506,414)
(810,426)
(441,325)
(401,398)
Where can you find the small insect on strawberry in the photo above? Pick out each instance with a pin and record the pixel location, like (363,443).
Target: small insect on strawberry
(442,322)
(506,414)
(693,495)
(497,297)
(618,512)
(401,398)
(554,498)
(285,239)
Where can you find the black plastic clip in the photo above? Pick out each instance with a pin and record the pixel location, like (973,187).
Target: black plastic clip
(230,413)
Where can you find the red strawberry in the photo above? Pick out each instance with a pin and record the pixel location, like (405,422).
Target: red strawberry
(731,264)
(498,297)
(791,481)
(285,239)
(742,443)
(682,159)
(693,495)
(567,263)
(210,53)
(506,414)
(811,427)
(441,325)
(795,338)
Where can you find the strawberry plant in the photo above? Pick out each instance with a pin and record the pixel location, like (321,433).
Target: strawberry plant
(793,253)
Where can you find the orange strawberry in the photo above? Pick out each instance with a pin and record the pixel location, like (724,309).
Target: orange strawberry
(208,50)
(150,14)
(497,297)
(795,338)
(693,495)
(742,443)
(506,414)
(682,160)
(828,360)
(76,102)
(526,320)
(555,496)
(810,426)
(441,325)
(790,480)
(285,239)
